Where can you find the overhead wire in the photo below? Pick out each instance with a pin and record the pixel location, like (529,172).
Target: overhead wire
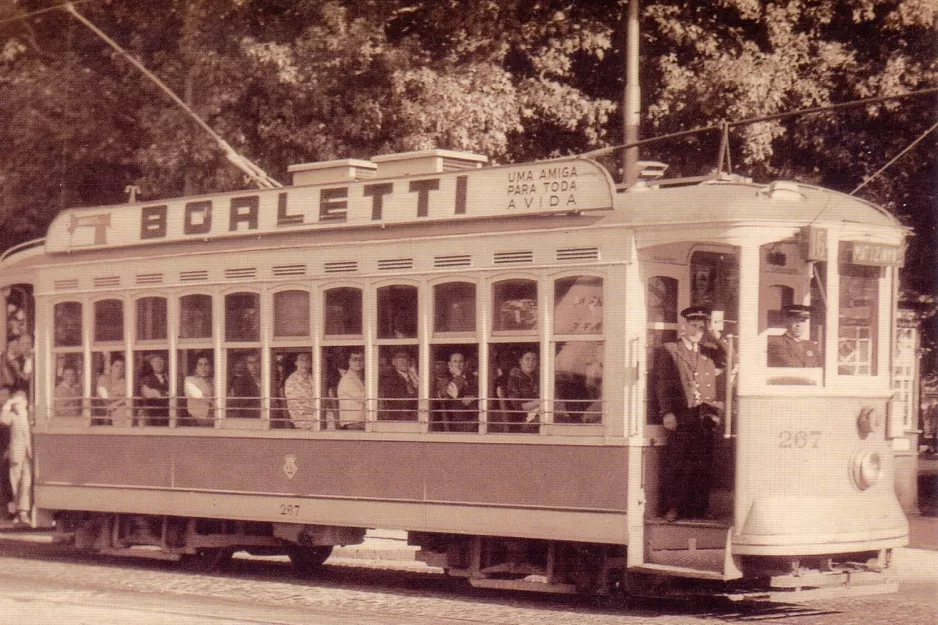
(920,138)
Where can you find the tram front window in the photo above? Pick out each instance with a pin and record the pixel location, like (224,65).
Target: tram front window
(791,314)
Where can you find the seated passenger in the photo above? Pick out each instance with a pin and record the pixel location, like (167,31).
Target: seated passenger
(351,393)
(792,349)
(200,394)
(524,393)
(154,387)
(246,390)
(457,396)
(298,390)
(112,387)
(398,389)
(68,394)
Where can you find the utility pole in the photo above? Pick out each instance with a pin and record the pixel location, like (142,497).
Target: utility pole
(631,104)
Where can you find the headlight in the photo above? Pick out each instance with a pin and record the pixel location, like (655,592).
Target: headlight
(866,469)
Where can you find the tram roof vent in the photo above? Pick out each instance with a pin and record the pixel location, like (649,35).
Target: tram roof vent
(66,284)
(105,281)
(340,266)
(149,278)
(289,270)
(193,275)
(578,253)
(513,258)
(455,260)
(393,264)
(324,172)
(427,162)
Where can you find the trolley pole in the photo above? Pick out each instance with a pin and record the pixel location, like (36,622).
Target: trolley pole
(631,104)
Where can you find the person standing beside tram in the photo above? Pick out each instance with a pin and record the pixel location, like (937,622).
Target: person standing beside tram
(793,349)
(15,414)
(685,386)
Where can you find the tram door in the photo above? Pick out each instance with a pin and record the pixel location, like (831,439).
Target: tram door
(677,276)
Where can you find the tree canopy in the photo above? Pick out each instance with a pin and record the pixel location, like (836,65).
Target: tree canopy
(289,81)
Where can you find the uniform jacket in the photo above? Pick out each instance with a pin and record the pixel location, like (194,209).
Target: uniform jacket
(685,378)
(785,351)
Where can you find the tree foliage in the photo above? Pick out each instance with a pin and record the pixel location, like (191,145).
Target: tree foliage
(288,81)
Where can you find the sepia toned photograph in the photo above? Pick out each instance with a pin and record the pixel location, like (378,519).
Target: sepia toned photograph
(328,312)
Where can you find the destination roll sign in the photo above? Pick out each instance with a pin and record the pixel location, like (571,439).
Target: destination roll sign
(554,186)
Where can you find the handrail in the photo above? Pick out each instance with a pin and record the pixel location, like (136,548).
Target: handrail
(730,383)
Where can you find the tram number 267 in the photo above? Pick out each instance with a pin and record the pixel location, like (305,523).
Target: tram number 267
(788,439)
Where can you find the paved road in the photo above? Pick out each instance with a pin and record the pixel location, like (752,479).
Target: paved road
(46,584)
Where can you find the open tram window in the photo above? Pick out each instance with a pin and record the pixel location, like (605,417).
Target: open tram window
(858,320)
(151,406)
(454,307)
(67,395)
(242,317)
(342,311)
(398,383)
(343,378)
(514,377)
(293,397)
(245,400)
(195,376)
(397,312)
(110,405)
(514,306)
(454,389)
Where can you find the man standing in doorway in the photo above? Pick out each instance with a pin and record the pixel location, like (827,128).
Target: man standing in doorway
(685,386)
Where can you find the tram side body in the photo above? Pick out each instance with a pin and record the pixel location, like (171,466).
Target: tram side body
(529,507)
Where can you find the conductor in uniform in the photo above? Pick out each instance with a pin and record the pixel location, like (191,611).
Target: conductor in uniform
(793,349)
(685,386)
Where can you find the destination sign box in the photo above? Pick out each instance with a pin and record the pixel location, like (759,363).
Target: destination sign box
(553,186)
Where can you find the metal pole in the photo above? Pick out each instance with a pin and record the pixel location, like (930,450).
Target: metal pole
(631,105)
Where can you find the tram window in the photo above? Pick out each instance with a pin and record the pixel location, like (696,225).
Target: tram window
(67,324)
(343,378)
(152,404)
(110,405)
(578,382)
(68,387)
(397,312)
(108,320)
(715,282)
(242,317)
(244,384)
(454,390)
(291,313)
(195,319)
(195,376)
(514,306)
(343,312)
(151,319)
(662,299)
(454,307)
(398,383)
(859,318)
(293,401)
(578,305)
(515,380)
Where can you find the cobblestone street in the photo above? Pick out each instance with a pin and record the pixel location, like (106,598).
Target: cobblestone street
(41,583)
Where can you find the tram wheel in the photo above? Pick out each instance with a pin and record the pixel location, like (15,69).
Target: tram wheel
(207,560)
(307,559)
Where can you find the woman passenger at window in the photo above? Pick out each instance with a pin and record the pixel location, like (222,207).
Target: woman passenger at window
(200,394)
(351,393)
(68,393)
(112,387)
(524,392)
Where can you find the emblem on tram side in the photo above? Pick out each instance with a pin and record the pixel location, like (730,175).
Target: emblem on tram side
(289,466)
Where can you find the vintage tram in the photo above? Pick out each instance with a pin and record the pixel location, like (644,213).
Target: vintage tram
(361,265)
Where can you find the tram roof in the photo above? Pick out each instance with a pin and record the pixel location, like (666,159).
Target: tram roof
(740,202)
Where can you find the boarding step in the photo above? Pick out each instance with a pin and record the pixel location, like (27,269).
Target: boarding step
(140,552)
(538,585)
(678,571)
(687,535)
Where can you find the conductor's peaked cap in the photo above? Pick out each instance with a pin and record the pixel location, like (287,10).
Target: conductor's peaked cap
(797,310)
(696,312)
